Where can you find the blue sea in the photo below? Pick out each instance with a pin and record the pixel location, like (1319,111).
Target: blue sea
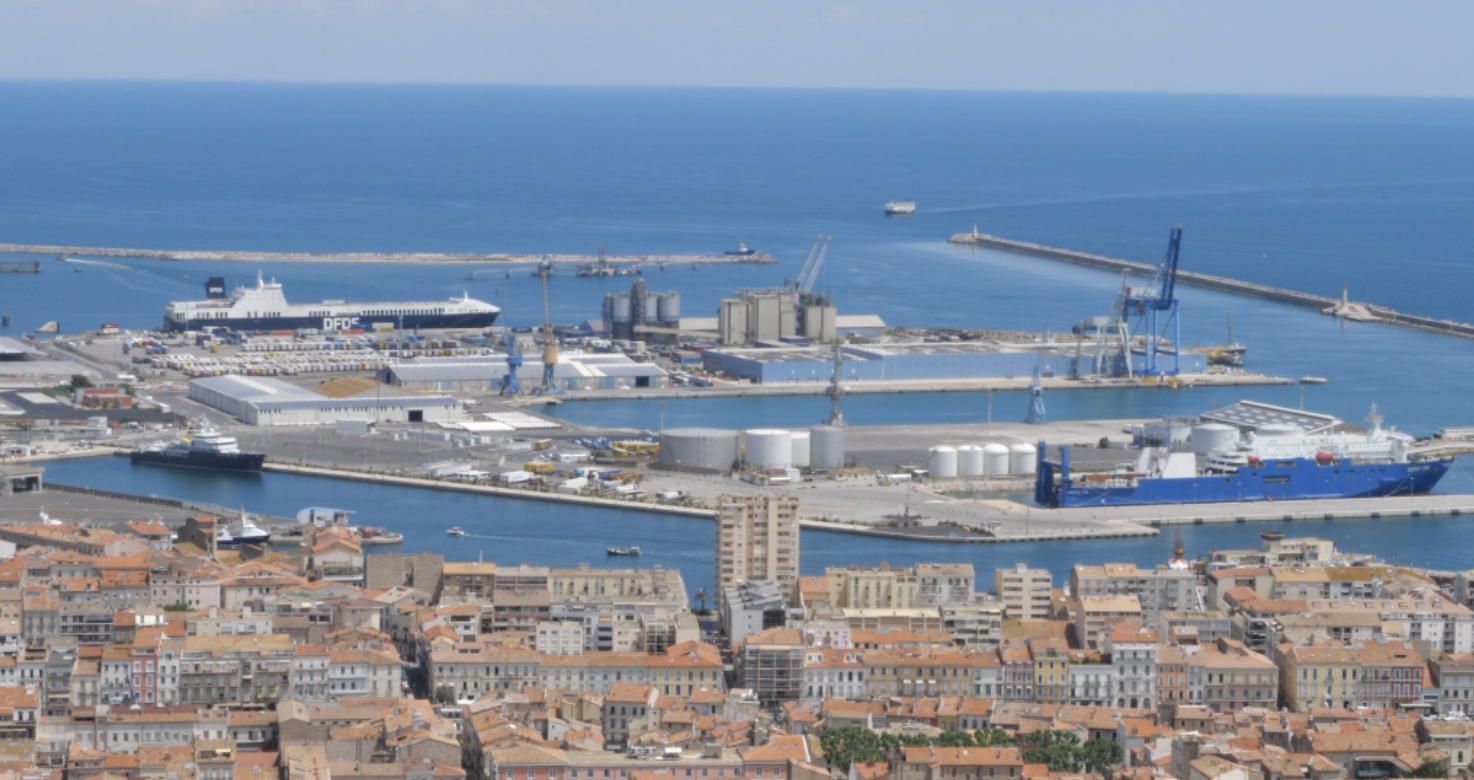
(1300,192)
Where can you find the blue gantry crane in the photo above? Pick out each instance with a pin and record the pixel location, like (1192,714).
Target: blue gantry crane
(1154,311)
(511,385)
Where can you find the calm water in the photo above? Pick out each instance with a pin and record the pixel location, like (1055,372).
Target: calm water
(515,531)
(1305,193)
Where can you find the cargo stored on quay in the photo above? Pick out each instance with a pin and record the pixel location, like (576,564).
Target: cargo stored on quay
(1270,465)
(265,307)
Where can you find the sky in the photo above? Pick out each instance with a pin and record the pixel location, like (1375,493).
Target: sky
(1346,47)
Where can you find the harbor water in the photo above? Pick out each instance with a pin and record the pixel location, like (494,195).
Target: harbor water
(1295,192)
(511,531)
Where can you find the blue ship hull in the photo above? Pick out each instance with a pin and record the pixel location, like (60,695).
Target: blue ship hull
(366,323)
(1296,479)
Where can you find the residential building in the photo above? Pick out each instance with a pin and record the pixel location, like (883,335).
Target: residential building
(1025,592)
(758,539)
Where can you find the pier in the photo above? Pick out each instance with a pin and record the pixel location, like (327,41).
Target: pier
(1362,312)
(443,258)
(20,267)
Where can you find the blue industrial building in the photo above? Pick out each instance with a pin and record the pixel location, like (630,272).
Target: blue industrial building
(918,361)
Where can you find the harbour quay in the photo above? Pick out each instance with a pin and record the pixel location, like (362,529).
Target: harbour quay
(462,258)
(1342,307)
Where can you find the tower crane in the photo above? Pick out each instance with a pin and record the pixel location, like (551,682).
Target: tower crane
(1155,309)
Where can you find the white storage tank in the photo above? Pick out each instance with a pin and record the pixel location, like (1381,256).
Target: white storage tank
(969,461)
(826,447)
(1212,437)
(801,449)
(943,462)
(769,448)
(995,460)
(712,449)
(652,307)
(1025,459)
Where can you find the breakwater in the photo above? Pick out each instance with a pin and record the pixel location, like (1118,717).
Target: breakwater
(232,256)
(1363,312)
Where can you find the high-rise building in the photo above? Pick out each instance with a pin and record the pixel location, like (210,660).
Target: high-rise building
(757,539)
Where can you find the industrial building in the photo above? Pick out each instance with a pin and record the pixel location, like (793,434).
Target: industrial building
(601,371)
(913,360)
(270,402)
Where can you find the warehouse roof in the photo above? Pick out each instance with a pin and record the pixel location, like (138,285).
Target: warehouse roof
(253,388)
(1252,415)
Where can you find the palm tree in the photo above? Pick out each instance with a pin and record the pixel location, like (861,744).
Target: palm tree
(701,598)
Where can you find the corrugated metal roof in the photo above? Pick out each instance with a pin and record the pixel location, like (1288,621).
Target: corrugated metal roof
(250,388)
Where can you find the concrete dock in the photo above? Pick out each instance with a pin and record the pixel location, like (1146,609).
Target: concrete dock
(378,257)
(1365,312)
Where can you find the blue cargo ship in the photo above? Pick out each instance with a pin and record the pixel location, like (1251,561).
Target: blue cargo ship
(1280,466)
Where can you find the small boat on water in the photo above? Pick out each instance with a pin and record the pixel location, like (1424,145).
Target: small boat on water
(456,531)
(1312,380)
(900,208)
(624,551)
(742,250)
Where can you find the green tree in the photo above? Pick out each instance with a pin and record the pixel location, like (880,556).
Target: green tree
(845,746)
(80,381)
(994,737)
(956,739)
(445,694)
(1059,750)
(1430,768)
(1102,755)
(701,598)
(177,607)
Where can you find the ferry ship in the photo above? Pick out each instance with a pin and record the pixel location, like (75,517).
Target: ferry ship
(900,208)
(1274,464)
(265,307)
(206,449)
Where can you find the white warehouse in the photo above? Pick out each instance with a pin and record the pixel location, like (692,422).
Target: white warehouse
(265,401)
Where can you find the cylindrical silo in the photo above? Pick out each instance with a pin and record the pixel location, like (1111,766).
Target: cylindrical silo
(670,308)
(1025,459)
(943,462)
(652,307)
(713,449)
(769,448)
(801,449)
(969,461)
(826,447)
(995,460)
(1214,437)
(621,307)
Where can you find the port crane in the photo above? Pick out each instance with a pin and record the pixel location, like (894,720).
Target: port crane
(511,385)
(1154,308)
(550,342)
(803,286)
